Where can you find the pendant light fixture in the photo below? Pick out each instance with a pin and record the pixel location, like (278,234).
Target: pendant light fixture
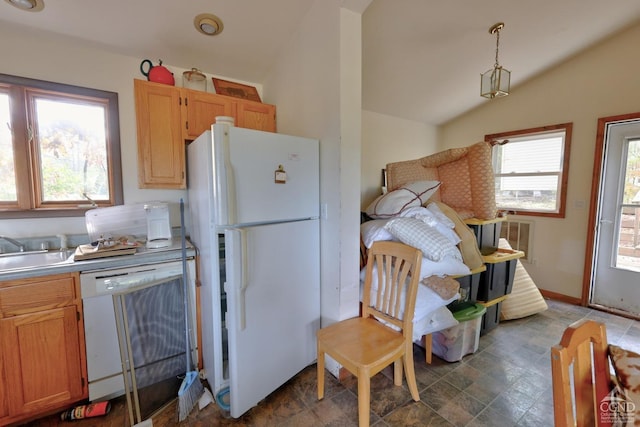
(495,82)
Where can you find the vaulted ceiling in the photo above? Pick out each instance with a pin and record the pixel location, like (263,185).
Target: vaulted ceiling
(422,59)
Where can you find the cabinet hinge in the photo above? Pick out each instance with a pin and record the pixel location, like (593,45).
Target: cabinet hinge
(82,382)
(180,100)
(77,316)
(186,124)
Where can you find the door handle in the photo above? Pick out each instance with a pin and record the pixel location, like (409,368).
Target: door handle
(241,275)
(606,221)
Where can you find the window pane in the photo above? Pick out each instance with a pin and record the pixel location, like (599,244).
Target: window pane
(7,171)
(73,150)
(529,156)
(632,174)
(527,192)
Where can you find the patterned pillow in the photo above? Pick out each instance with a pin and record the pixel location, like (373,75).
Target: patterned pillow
(412,194)
(413,232)
(626,365)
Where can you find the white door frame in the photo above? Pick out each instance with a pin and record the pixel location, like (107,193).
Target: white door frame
(599,158)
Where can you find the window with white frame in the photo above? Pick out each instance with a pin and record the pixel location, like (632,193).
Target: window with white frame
(59,149)
(531,168)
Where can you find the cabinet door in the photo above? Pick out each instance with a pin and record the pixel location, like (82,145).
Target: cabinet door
(42,360)
(256,115)
(202,109)
(161,161)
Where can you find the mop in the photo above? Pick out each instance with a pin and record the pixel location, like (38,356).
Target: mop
(191,388)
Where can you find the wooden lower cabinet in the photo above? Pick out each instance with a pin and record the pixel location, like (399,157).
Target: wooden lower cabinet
(42,353)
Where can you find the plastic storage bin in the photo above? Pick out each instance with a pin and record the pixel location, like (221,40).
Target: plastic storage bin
(487,233)
(468,288)
(497,280)
(491,318)
(453,343)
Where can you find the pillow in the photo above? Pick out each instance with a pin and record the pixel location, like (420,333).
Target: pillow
(447,266)
(413,232)
(440,222)
(468,244)
(626,365)
(391,204)
(374,230)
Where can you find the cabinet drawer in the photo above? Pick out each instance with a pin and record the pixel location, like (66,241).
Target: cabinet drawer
(31,295)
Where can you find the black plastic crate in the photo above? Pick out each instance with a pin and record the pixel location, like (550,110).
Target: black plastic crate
(497,280)
(487,233)
(491,318)
(468,289)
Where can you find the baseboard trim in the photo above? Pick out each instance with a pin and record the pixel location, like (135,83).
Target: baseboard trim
(560,297)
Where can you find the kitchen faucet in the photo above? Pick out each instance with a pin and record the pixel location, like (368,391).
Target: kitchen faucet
(13,242)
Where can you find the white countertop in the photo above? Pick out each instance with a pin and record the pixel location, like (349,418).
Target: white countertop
(141,257)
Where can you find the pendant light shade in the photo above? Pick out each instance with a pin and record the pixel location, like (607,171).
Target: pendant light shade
(495,82)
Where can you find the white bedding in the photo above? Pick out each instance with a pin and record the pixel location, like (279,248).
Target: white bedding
(430,314)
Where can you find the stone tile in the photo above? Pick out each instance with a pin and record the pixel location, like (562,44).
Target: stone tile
(507,382)
(415,414)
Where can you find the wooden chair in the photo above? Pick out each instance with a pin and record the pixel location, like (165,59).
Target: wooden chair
(365,345)
(581,360)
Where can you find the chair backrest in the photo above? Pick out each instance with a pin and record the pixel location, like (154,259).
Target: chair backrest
(391,284)
(581,360)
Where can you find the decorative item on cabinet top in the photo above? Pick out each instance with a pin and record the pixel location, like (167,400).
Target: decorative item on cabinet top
(237,90)
(157,73)
(195,80)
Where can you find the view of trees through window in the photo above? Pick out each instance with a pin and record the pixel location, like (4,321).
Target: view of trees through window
(59,149)
(73,155)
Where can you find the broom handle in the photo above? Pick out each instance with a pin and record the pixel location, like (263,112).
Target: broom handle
(183,239)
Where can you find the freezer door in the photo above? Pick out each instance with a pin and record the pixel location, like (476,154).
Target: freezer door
(273,294)
(263,176)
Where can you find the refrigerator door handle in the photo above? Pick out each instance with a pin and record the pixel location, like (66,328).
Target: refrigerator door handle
(244,280)
(240,271)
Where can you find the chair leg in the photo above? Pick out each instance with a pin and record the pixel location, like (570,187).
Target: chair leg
(397,372)
(411,375)
(320,365)
(364,390)
(428,340)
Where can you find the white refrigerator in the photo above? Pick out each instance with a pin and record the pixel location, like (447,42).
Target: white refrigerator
(254,209)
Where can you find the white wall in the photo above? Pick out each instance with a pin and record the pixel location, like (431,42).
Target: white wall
(387,139)
(600,82)
(63,60)
(316,85)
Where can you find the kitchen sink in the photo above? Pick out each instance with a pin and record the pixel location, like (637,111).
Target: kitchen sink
(32,259)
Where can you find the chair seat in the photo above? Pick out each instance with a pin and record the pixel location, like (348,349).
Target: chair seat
(361,341)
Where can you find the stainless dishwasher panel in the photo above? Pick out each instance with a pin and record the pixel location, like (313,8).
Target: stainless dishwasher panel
(104,366)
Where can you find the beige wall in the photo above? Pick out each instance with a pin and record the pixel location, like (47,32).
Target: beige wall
(602,81)
(387,139)
(63,60)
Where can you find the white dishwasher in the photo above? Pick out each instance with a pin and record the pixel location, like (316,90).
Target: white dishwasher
(98,287)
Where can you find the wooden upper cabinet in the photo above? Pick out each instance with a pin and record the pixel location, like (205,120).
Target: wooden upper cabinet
(202,108)
(169,116)
(256,115)
(161,158)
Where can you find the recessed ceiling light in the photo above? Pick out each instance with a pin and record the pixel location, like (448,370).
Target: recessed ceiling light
(28,5)
(207,24)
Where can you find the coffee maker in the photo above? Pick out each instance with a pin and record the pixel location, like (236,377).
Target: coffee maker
(158,225)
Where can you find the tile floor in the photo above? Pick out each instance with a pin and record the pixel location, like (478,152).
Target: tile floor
(507,382)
